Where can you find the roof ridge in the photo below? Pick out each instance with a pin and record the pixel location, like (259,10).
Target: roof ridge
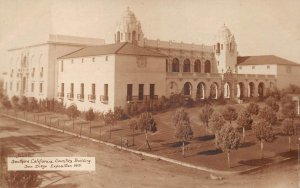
(121,47)
(72,52)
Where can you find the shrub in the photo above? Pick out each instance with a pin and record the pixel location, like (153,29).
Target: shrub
(15,102)
(5,102)
(23,103)
(32,104)
(120,114)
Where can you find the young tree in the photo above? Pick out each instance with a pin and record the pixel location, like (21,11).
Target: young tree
(267,114)
(180,115)
(109,120)
(73,113)
(217,122)
(90,116)
(227,139)
(230,114)
(263,132)
(23,103)
(32,104)
(15,102)
(5,102)
(288,108)
(206,114)
(133,125)
(183,132)
(253,108)
(244,121)
(146,123)
(288,129)
(271,102)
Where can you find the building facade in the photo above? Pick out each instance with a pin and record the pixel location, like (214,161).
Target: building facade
(137,69)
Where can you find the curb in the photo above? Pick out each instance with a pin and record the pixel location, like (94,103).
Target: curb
(151,155)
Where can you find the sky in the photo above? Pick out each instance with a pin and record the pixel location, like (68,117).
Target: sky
(261,27)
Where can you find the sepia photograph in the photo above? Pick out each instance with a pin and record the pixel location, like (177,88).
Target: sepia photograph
(149,94)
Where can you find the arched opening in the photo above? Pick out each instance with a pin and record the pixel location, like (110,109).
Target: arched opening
(118,36)
(251,88)
(175,65)
(172,88)
(240,90)
(200,91)
(197,66)
(187,89)
(167,65)
(214,91)
(186,65)
(261,87)
(227,90)
(134,41)
(207,68)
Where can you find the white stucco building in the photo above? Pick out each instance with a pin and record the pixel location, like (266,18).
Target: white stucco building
(135,69)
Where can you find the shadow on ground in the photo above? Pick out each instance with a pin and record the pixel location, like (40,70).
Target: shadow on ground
(205,138)
(287,154)
(175,144)
(247,144)
(256,162)
(210,152)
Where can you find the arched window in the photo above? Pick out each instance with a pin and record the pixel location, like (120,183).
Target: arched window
(187,88)
(175,65)
(197,66)
(167,65)
(134,37)
(186,65)
(118,36)
(207,68)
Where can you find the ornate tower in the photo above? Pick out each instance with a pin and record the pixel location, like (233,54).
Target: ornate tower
(225,50)
(129,29)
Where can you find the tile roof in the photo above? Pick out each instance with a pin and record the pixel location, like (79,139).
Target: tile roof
(264,60)
(124,48)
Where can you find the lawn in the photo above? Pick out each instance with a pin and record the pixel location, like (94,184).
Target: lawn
(200,150)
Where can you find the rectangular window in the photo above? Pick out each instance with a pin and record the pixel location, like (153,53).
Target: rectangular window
(221,46)
(42,72)
(93,90)
(106,58)
(72,90)
(141,91)
(253,67)
(152,91)
(129,92)
(81,90)
(240,67)
(32,87)
(10,86)
(41,87)
(62,66)
(93,59)
(268,66)
(105,90)
(62,89)
(17,86)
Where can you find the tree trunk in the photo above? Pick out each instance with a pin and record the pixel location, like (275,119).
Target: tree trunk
(289,143)
(228,159)
(261,149)
(109,131)
(73,123)
(80,130)
(243,134)
(183,148)
(132,137)
(90,127)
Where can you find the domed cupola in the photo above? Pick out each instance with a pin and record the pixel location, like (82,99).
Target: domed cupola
(129,29)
